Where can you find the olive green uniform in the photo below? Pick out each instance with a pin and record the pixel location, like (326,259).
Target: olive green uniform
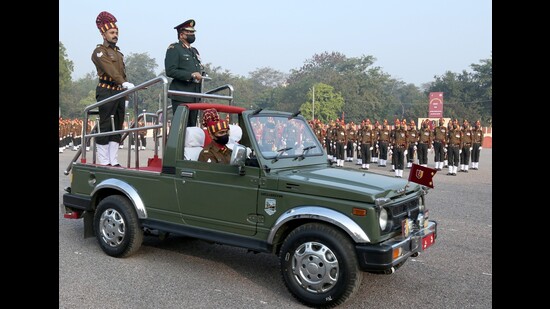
(180,62)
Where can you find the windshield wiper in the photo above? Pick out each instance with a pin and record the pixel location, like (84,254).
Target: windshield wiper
(304,151)
(280,153)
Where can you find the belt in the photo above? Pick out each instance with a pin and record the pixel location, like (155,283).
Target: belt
(425,142)
(103,85)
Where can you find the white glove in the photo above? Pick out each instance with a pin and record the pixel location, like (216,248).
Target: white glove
(358,147)
(390,152)
(376,145)
(414,147)
(444,149)
(405,152)
(354,144)
(345,147)
(479,148)
(416,143)
(460,151)
(391,147)
(127,85)
(471,148)
(371,147)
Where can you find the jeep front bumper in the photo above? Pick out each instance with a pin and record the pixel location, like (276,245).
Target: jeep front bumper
(392,252)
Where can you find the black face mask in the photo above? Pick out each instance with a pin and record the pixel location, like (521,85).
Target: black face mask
(190,38)
(222,140)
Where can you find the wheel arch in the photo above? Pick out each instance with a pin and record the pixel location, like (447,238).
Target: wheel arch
(115,186)
(303,214)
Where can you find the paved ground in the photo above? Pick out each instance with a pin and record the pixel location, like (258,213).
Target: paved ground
(187,273)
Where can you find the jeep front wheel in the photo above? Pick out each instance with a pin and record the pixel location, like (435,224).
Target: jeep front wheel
(319,265)
(116,226)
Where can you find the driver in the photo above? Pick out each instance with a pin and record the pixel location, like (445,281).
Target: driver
(216,151)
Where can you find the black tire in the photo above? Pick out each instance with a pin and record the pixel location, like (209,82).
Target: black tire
(331,274)
(116,226)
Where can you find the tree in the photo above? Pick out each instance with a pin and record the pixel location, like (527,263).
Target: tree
(65,81)
(328,103)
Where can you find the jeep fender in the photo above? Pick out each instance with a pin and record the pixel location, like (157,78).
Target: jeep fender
(128,190)
(321,214)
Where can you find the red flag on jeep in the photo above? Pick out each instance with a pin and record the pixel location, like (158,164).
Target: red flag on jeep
(422,175)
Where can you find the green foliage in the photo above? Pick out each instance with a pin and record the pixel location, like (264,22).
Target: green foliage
(328,103)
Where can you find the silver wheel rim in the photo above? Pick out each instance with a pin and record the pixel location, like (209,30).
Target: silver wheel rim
(315,267)
(112,227)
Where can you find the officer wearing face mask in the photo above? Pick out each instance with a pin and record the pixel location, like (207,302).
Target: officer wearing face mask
(183,64)
(216,151)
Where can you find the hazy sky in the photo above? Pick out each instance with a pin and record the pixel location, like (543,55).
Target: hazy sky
(412,40)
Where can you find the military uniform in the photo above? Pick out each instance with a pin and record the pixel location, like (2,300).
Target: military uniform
(141,135)
(216,151)
(215,154)
(367,138)
(400,139)
(440,137)
(341,140)
(477,141)
(383,142)
(181,63)
(455,146)
(351,132)
(111,71)
(467,144)
(425,139)
(412,139)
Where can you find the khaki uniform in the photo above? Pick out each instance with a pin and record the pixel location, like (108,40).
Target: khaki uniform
(440,142)
(455,146)
(425,139)
(213,153)
(477,141)
(467,146)
(400,141)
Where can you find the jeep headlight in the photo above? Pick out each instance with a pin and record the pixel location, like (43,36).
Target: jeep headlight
(383,218)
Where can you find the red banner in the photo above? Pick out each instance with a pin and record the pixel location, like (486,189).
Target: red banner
(422,175)
(435,109)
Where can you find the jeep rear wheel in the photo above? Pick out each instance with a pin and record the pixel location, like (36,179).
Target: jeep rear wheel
(319,265)
(117,227)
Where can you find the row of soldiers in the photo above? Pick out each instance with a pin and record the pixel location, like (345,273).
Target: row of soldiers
(70,134)
(374,143)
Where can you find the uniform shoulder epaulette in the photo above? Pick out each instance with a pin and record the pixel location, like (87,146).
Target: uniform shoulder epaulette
(172,45)
(205,150)
(98,45)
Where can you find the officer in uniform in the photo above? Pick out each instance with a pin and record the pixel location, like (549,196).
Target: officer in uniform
(455,147)
(375,153)
(351,131)
(466,146)
(400,140)
(109,63)
(424,142)
(216,151)
(440,137)
(367,138)
(412,139)
(341,139)
(141,136)
(383,143)
(183,64)
(477,140)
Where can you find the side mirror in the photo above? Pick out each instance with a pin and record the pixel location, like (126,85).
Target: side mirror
(238,157)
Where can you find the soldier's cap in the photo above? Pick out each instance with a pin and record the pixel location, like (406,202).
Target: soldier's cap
(212,121)
(105,21)
(397,121)
(441,120)
(188,25)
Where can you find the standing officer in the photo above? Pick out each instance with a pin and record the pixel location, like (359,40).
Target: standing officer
(109,63)
(466,146)
(383,143)
(341,140)
(183,64)
(351,131)
(424,142)
(477,140)
(367,138)
(455,147)
(412,139)
(440,136)
(400,140)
